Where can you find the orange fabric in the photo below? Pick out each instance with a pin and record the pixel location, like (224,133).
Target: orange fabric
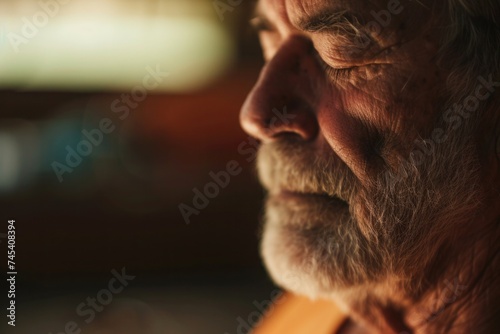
(299,315)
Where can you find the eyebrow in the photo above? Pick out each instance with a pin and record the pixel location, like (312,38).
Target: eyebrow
(259,21)
(322,22)
(328,21)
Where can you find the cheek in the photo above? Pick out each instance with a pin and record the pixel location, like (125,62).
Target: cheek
(363,113)
(348,136)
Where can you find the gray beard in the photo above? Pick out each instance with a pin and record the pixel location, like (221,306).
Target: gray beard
(393,229)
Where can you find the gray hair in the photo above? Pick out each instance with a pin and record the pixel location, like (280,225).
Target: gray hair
(471,44)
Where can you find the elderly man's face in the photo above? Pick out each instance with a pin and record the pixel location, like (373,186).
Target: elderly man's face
(356,83)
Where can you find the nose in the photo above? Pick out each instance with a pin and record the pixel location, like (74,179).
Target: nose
(282,100)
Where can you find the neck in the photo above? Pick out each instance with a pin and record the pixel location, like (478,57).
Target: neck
(464,299)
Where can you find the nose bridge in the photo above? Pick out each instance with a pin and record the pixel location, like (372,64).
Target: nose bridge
(284,84)
(286,70)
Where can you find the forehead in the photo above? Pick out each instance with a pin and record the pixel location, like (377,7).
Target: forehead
(294,12)
(389,21)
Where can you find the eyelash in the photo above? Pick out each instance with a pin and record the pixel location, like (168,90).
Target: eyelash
(338,73)
(334,73)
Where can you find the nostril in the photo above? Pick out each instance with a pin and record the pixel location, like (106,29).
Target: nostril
(267,125)
(289,136)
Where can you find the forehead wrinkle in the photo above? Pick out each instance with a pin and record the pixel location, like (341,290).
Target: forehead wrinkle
(301,11)
(286,15)
(318,15)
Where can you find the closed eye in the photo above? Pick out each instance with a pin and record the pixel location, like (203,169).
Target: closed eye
(334,73)
(338,73)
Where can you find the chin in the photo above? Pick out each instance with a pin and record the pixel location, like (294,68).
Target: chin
(313,247)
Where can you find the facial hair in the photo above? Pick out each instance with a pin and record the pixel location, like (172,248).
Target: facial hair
(393,228)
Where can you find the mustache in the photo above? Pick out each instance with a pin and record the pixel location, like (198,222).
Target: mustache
(292,166)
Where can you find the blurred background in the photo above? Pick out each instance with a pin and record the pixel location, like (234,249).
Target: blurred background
(111,113)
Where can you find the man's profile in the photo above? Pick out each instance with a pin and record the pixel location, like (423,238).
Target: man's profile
(384,188)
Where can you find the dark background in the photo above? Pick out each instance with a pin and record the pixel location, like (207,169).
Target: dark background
(120,207)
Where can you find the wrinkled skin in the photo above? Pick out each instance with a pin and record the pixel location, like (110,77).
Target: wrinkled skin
(358,105)
(383,97)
